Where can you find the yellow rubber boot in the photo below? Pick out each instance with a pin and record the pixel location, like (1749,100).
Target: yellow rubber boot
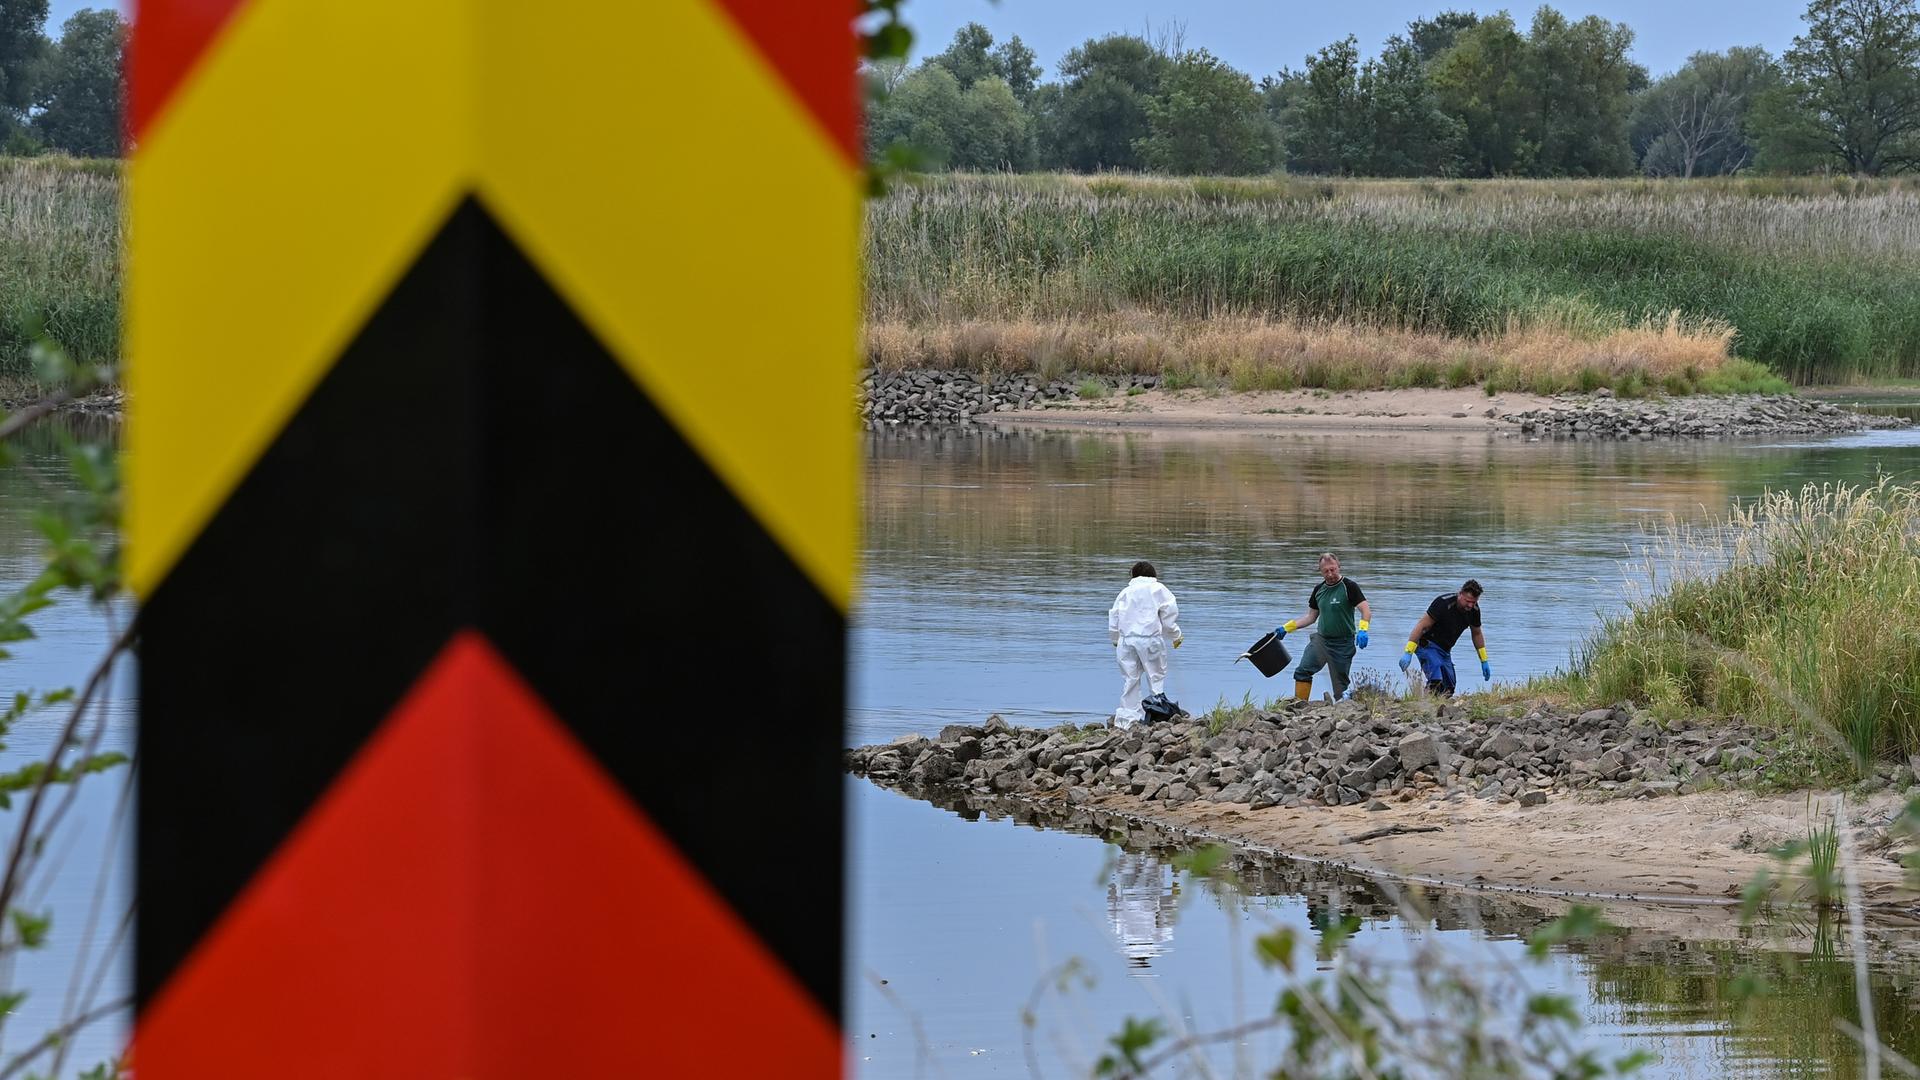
(1302,690)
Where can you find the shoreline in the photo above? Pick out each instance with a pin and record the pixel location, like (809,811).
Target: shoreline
(1387,411)
(1509,852)
(1535,799)
(962,400)
(1263,865)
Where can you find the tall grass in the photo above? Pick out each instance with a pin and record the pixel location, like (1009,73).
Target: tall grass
(1818,279)
(1802,609)
(60,259)
(1245,353)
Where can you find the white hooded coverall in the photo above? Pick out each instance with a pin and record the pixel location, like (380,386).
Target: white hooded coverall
(1141,624)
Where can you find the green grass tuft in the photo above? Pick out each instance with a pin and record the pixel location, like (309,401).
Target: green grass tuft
(1801,610)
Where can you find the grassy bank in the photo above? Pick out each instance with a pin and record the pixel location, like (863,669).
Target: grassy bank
(1819,280)
(60,259)
(1241,353)
(1802,609)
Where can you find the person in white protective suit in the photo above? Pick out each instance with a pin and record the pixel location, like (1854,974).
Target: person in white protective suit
(1142,623)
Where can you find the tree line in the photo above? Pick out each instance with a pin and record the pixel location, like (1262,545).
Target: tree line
(61,94)
(1457,94)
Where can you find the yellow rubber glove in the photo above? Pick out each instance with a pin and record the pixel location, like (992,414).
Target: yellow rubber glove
(1178,640)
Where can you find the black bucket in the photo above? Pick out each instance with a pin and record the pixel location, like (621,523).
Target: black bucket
(1268,655)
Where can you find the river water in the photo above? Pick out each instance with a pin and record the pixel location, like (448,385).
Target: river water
(84,879)
(990,561)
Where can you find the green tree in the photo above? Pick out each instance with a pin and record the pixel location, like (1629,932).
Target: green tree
(973,56)
(1851,93)
(1696,121)
(1207,118)
(1431,37)
(80,105)
(1407,132)
(969,56)
(923,112)
(23,56)
(1482,81)
(993,132)
(1325,124)
(1380,118)
(980,128)
(1099,114)
(1581,79)
(1018,66)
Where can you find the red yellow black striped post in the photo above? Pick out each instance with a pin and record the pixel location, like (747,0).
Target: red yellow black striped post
(492,506)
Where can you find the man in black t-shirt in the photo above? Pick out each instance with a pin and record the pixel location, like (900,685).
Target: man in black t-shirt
(1433,637)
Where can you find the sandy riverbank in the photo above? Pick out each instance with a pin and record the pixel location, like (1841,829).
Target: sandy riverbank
(1463,410)
(1531,796)
(1702,847)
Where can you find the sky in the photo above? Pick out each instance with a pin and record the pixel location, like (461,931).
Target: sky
(58,10)
(1260,37)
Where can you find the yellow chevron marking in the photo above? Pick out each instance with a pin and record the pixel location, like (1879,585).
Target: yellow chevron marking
(289,184)
(708,237)
(706,229)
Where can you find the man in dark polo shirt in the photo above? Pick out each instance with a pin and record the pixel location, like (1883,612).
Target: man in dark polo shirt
(1342,611)
(1433,637)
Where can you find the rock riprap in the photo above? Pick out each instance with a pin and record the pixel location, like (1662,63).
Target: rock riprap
(958,397)
(932,398)
(1603,416)
(1338,754)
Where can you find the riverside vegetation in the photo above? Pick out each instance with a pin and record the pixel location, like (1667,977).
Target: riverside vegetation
(1721,285)
(60,259)
(1265,284)
(1801,611)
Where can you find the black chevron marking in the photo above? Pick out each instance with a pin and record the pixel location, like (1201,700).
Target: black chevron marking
(477,458)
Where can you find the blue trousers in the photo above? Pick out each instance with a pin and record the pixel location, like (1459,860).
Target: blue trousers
(1438,665)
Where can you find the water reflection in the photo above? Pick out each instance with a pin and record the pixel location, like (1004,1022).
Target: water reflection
(1143,899)
(1678,980)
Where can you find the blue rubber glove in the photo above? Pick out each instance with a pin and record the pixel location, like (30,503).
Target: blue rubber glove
(1360,639)
(1406,658)
(1486,671)
(1279,632)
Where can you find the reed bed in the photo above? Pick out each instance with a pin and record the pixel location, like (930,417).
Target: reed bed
(1802,609)
(60,259)
(1247,352)
(1818,279)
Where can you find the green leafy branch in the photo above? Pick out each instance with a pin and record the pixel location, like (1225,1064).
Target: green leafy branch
(80,528)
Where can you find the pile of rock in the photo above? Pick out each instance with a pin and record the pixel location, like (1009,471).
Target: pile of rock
(1334,754)
(957,397)
(1603,416)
